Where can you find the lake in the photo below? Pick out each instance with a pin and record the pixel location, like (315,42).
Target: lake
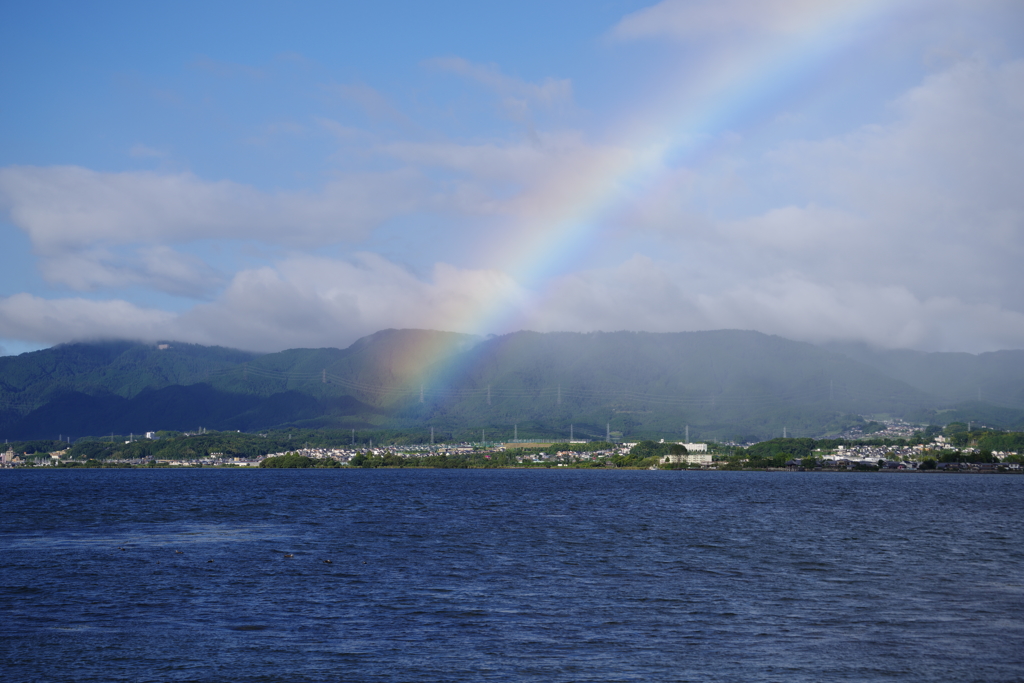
(509,575)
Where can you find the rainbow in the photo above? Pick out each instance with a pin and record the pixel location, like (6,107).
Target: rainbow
(686,122)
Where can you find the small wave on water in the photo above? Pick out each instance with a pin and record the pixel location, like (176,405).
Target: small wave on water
(493,575)
(146,536)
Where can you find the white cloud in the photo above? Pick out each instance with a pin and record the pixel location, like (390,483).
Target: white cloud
(902,233)
(156,267)
(68,207)
(107,230)
(28,317)
(76,218)
(798,231)
(301,302)
(307,301)
(930,201)
(642,294)
(959,132)
(927,202)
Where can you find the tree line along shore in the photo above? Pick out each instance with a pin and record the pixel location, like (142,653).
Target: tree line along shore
(955,447)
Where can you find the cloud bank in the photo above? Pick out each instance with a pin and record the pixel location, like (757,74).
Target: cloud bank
(903,231)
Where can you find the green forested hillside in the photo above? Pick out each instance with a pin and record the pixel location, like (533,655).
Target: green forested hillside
(725,384)
(118,368)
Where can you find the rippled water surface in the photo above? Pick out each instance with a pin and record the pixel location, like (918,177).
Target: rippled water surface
(510,575)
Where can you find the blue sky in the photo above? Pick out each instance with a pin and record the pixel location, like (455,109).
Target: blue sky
(269,175)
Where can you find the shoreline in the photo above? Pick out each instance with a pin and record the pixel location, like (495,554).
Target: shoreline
(561,469)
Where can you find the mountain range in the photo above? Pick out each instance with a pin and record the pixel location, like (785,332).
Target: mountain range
(725,385)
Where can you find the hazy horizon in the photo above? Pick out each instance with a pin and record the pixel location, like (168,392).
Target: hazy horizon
(270,176)
(848,344)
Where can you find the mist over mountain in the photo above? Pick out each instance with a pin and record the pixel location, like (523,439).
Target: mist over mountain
(996,378)
(725,384)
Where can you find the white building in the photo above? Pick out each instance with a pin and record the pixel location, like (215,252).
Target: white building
(696,454)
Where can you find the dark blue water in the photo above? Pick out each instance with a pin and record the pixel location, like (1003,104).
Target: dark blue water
(449,575)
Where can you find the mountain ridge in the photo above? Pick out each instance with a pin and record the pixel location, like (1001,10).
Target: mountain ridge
(723,384)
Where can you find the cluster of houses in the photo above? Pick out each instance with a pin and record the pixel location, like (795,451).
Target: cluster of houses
(891,429)
(345,455)
(842,457)
(570,456)
(908,455)
(342,455)
(912,465)
(10,459)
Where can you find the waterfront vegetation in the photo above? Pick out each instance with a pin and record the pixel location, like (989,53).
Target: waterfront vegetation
(383,449)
